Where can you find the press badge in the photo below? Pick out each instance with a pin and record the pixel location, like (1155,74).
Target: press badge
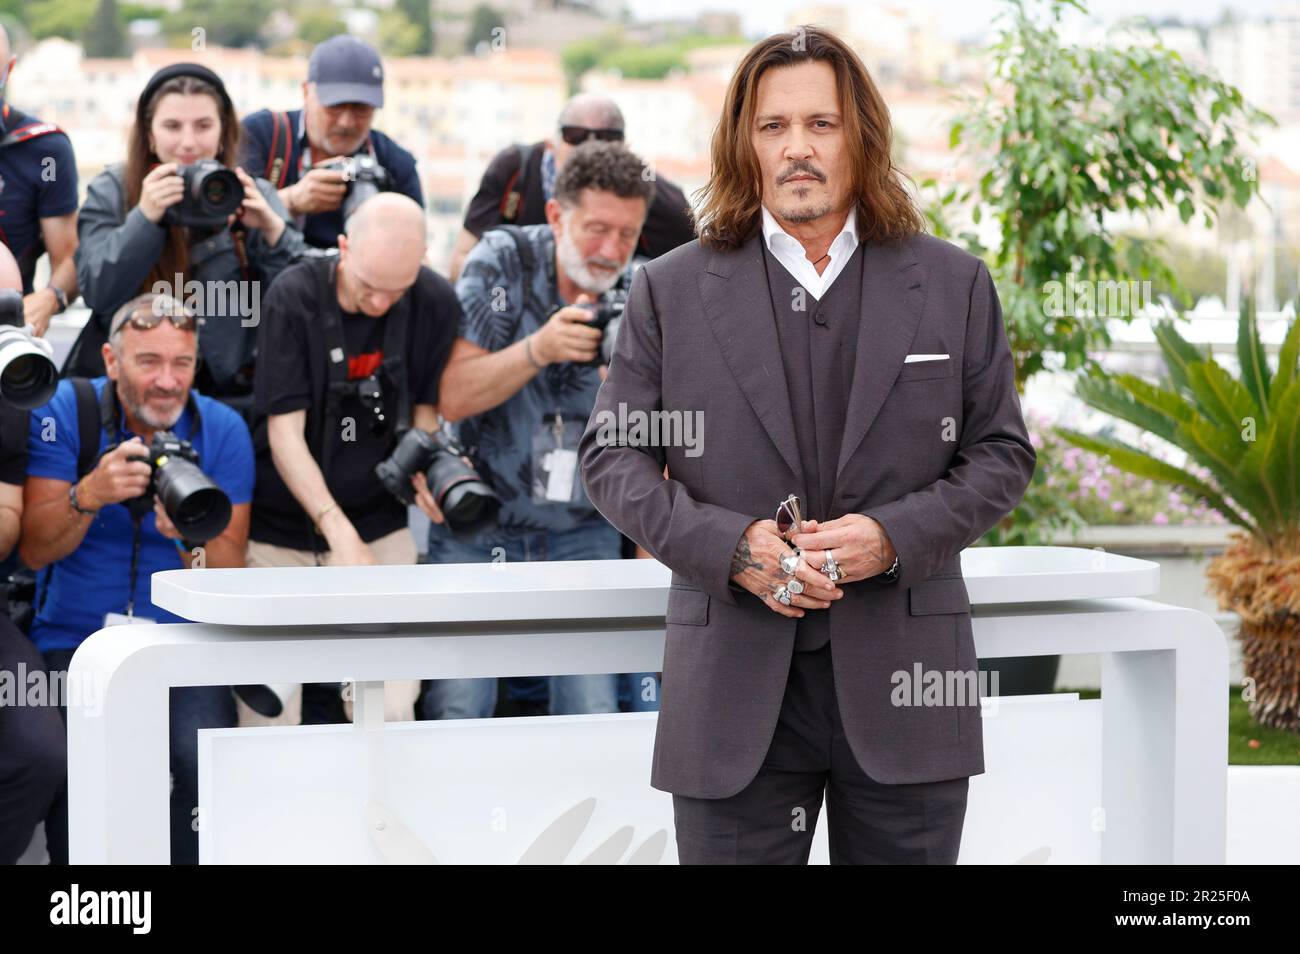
(555,460)
(121,619)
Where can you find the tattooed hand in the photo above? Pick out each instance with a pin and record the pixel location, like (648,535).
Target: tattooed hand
(756,566)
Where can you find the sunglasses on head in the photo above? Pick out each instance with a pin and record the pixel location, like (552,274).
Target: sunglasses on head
(146,317)
(577,135)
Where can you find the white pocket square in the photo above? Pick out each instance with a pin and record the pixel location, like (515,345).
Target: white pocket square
(924,357)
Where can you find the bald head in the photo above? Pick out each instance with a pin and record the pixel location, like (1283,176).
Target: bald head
(591,110)
(382,250)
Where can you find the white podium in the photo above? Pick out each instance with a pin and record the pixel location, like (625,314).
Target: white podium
(1136,777)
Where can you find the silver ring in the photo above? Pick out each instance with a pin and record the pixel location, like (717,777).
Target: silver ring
(790,561)
(795,587)
(831,568)
(782,595)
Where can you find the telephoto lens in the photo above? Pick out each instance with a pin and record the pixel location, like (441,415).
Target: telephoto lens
(467,501)
(212,194)
(198,508)
(28,375)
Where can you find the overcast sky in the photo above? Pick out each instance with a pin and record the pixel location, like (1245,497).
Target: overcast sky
(958,18)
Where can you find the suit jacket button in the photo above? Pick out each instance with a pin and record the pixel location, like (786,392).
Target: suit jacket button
(819,318)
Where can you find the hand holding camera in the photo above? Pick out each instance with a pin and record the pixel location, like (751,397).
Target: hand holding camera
(201,194)
(120,475)
(568,335)
(134,474)
(162,188)
(255,212)
(321,189)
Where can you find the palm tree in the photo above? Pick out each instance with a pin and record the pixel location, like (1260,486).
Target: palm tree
(1243,435)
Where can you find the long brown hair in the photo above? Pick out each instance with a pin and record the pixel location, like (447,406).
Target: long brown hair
(729,208)
(175,257)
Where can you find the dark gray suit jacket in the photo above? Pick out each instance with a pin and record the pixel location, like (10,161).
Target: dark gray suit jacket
(936,451)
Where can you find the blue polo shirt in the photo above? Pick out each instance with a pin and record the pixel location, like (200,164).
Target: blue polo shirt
(94,579)
(323,228)
(38,180)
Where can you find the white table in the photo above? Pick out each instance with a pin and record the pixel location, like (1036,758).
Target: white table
(1164,669)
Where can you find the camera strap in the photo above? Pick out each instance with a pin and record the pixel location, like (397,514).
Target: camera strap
(13,137)
(110,421)
(392,369)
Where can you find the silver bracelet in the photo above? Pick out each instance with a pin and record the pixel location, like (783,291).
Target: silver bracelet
(528,352)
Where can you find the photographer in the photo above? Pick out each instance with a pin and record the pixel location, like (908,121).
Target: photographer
(88,514)
(165,218)
(523,376)
(303,152)
(520,180)
(38,202)
(352,349)
(33,758)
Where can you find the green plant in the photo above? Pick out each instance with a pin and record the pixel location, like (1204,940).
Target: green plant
(1244,432)
(1071,137)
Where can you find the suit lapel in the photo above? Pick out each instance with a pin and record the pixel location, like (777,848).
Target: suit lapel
(738,303)
(893,295)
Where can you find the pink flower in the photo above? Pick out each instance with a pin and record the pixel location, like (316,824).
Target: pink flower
(1160,519)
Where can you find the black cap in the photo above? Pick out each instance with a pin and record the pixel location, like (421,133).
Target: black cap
(181,69)
(345,70)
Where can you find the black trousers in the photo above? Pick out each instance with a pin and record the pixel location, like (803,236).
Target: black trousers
(772,820)
(33,753)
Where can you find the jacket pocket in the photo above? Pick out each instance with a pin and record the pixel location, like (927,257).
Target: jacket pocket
(921,370)
(939,595)
(687,607)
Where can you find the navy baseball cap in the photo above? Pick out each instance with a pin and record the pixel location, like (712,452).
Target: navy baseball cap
(345,70)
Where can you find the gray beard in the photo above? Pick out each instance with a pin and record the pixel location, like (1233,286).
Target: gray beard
(571,261)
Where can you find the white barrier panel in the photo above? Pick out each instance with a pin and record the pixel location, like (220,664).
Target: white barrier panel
(577,789)
(1163,728)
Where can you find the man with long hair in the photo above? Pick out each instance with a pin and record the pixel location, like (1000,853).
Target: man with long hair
(860,428)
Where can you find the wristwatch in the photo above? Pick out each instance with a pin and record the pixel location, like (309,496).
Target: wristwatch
(891,575)
(72,499)
(61,296)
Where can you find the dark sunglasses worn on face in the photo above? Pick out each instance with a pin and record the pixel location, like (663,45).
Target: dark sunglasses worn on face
(577,135)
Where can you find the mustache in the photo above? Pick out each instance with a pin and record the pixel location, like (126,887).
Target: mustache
(801,169)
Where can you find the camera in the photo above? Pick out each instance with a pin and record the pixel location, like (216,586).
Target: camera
(607,314)
(365,178)
(28,375)
(466,500)
(199,509)
(212,194)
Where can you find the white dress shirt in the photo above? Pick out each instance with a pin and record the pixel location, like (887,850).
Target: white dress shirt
(788,250)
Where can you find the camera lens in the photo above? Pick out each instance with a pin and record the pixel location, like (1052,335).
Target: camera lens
(215,191)
(28,378)
(198,507)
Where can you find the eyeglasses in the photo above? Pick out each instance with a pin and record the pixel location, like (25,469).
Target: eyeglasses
(577,135)
(789,515)
(146,317)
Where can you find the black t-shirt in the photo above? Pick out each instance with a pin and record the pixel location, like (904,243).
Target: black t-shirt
(13,445)
(292,375)
(667,224)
